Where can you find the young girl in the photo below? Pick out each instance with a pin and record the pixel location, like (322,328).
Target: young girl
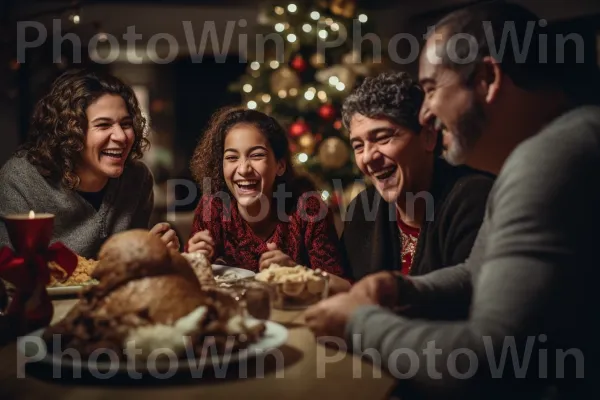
(81,163)
(253,211)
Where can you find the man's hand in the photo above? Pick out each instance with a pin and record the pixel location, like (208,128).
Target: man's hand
(330,316)
(381,288)
(166,234)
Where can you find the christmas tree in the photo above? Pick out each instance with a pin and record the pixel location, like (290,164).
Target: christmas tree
(304,84)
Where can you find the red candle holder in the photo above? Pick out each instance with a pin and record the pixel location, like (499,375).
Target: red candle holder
(29,233)
(27,269)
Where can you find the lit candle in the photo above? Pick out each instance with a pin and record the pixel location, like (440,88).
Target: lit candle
(29,233)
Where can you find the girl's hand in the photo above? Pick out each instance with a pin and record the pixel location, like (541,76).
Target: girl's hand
(203,243)
(274,256)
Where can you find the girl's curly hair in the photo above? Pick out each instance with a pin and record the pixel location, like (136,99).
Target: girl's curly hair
(59,124)
(207,161)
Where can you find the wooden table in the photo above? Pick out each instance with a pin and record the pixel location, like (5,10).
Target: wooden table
(310,371)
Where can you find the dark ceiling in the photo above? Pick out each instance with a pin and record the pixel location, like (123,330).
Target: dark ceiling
(365,4)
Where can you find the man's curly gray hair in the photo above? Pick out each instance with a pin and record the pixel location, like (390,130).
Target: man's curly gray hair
(391,95)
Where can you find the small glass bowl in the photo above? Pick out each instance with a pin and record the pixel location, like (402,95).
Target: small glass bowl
(254,297)
(298,295)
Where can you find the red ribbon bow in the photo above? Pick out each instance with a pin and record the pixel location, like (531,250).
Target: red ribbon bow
(30,276)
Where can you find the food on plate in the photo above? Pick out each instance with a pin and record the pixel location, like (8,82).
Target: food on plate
(295,286)
(228,276)
(81,276)
(149,294)
(201,266)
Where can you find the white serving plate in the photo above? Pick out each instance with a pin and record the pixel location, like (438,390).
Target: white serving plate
(30,345)
(65,290)
(218,270)
(240,273)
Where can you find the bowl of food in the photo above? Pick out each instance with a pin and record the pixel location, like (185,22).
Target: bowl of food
(254,298)
(295,287)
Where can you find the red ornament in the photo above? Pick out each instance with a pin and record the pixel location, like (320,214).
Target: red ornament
(327,112)
(298,128)
(299,64)
(335,199)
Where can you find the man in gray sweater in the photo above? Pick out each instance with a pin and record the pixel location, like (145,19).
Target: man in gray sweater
(533,327)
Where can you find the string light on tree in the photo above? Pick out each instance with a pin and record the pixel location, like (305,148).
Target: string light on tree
(282,94)
(340,86)
(335,27)
(309,95)
(266,98)
(315,15)
(292,8)
(274,64)
(255,65)
(247,88)
(75,18)
(322,95)
(302,157)
(307,28)
(363,18)
(279,27)
(323,34)
(293,92)
(334,80)
(252,104)
(291,38)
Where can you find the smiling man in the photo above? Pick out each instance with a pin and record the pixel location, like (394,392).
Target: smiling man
(421,213)
(530,281)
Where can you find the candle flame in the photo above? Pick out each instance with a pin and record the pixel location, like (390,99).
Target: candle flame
(31,214)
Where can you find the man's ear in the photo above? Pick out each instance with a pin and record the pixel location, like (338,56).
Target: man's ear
(489,79)
(429,137)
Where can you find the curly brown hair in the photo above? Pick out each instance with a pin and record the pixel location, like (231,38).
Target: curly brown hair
(59,124)
(207,161)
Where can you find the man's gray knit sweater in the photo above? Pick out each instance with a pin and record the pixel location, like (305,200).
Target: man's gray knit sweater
(531,280)
(127,204)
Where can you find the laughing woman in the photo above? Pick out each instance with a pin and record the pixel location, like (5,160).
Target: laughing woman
(254,212)
(81,163)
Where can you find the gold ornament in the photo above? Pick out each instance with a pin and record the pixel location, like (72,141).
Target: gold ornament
(285,79)
(307,143)
(343,8)
(333,153)
(317,60)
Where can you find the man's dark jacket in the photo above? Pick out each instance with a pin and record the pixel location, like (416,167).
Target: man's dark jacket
(371,237)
